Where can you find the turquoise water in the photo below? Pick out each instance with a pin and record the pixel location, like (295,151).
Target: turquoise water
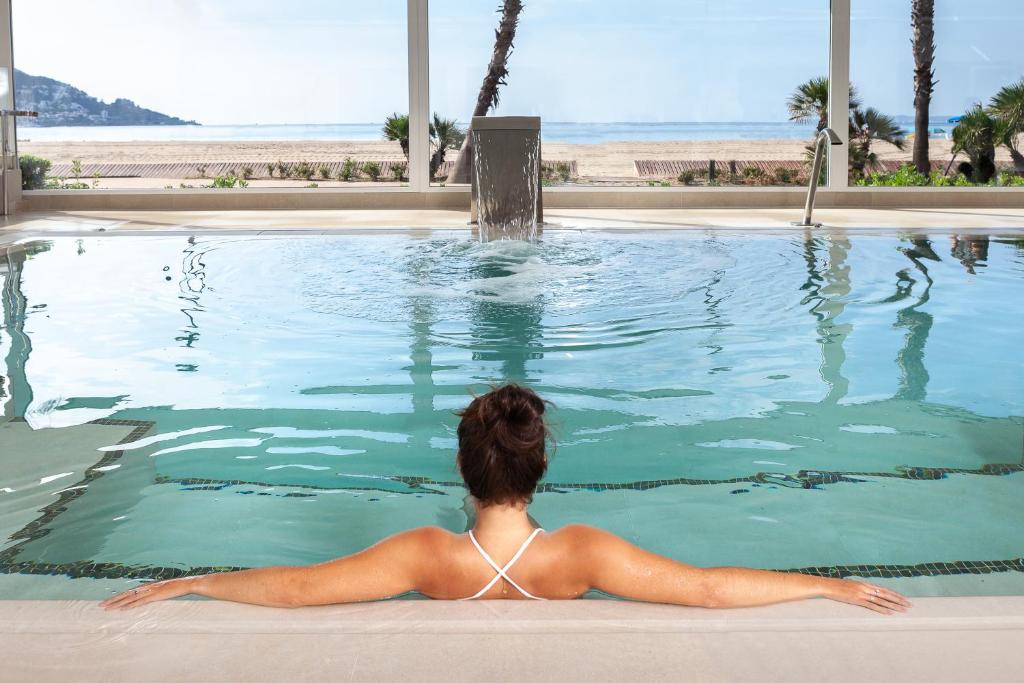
(849,404)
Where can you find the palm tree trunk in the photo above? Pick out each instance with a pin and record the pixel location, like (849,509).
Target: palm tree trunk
(922,21)
(497,70)
(1018,160)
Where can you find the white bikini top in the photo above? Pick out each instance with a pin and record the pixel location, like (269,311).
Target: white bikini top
(503,571)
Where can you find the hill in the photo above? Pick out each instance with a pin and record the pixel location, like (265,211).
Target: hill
(61,104)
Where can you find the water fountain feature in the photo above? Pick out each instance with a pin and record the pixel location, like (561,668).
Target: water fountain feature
(506,177)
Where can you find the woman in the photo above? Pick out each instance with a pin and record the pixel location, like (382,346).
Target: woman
(502,438)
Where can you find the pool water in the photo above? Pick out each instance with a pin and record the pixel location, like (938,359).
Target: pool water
(835,404)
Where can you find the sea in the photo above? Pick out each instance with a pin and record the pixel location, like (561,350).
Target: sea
(555,131)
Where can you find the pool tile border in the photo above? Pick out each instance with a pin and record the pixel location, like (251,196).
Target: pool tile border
(804,479)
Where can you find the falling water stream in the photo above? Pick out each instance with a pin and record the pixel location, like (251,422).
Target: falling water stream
(507,176)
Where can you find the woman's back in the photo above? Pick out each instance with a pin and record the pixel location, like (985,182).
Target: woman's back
(544,565)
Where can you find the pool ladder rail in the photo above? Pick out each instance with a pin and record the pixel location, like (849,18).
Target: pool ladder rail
(826,135)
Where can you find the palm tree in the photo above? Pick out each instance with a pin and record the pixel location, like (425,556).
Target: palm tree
(396,129)
(866,127)
(497,71)
(446,135)
(976,135)
(922,21)
(810,101)
(1008,106)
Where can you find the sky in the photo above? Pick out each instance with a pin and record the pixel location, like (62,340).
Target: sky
(344,61)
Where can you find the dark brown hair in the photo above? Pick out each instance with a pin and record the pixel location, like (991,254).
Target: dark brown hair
(502,436)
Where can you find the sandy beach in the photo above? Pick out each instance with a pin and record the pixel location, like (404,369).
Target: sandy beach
(602,162)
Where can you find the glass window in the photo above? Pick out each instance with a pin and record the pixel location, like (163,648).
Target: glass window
(977,56)
(642,94)
(193,93)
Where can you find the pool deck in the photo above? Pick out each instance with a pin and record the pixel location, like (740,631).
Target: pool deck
(747,220)
(941,639)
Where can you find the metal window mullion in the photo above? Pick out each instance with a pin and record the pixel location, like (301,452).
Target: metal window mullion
(419,96)
(838,96)
(12,173)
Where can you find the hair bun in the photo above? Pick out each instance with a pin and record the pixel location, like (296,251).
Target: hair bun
(515,406)
(502,438)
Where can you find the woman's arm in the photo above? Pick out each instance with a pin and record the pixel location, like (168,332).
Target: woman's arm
(615,566)
(395,565)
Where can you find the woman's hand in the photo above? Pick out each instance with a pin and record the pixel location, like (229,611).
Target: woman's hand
(149,592)
(867,595)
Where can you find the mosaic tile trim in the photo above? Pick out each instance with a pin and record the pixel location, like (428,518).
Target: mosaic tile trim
(115,570)
(197,484)
(804,479)
(38,527)
(895,571)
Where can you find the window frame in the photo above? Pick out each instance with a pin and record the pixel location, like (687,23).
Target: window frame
(419,193)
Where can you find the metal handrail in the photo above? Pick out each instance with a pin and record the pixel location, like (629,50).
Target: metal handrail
(826,135)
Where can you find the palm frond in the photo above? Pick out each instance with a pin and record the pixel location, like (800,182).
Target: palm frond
(1007,105)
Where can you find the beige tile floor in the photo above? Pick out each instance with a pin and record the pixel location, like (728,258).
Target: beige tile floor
(76,222)
(942,639)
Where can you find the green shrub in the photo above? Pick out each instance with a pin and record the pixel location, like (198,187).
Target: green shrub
(33,171)
(783,175)
(398,172)
(687,177)
(282,169)
(247,172)
(1009,179)
(228,182)
(753,172)
(63,184)
(325,171)
(311,186)
(372,170)
(907,176)
(270,169)
(304,170)
(563,171)
(348,169)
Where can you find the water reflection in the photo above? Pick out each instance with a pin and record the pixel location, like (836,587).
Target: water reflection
(971,251)
(827,286)
(15,390)
(507,332)
(421,368)
(192,285)
(918,323)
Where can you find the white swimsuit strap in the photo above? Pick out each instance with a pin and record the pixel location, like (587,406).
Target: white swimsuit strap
(502,572)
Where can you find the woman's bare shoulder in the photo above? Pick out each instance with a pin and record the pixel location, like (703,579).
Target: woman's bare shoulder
(580,535)
(432,536)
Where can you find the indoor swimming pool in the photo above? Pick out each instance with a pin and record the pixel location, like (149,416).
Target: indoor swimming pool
(838,404)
